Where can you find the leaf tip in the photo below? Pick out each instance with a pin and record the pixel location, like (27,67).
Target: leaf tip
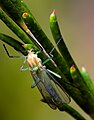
(24,15)
(53,12)
(72,67)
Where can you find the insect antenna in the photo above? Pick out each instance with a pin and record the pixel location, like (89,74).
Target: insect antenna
(55,47)
(40,46)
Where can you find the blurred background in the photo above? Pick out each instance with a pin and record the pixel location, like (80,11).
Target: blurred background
(76,20)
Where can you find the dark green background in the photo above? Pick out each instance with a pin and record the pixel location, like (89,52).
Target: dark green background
(76,19)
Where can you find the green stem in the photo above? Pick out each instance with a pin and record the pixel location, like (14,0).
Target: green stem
(72,112)
(57,36)
(15,28)
(88,80)
(12,11)
(87,90)
(13,43)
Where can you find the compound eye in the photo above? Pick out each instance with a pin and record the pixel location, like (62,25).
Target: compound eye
(32,50)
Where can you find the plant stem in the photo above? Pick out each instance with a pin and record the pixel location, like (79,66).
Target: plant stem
(15,28)
(72,112)
(13,43)
(87,90)
(57,36)
(87,79)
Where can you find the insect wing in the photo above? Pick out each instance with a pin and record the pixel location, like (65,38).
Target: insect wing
(57,92)
(45,94)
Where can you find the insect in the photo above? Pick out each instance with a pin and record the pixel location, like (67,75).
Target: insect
(52,92)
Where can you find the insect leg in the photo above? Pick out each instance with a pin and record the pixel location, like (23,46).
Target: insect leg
(33,84)
(22,67)
(53,73)
(10,56)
